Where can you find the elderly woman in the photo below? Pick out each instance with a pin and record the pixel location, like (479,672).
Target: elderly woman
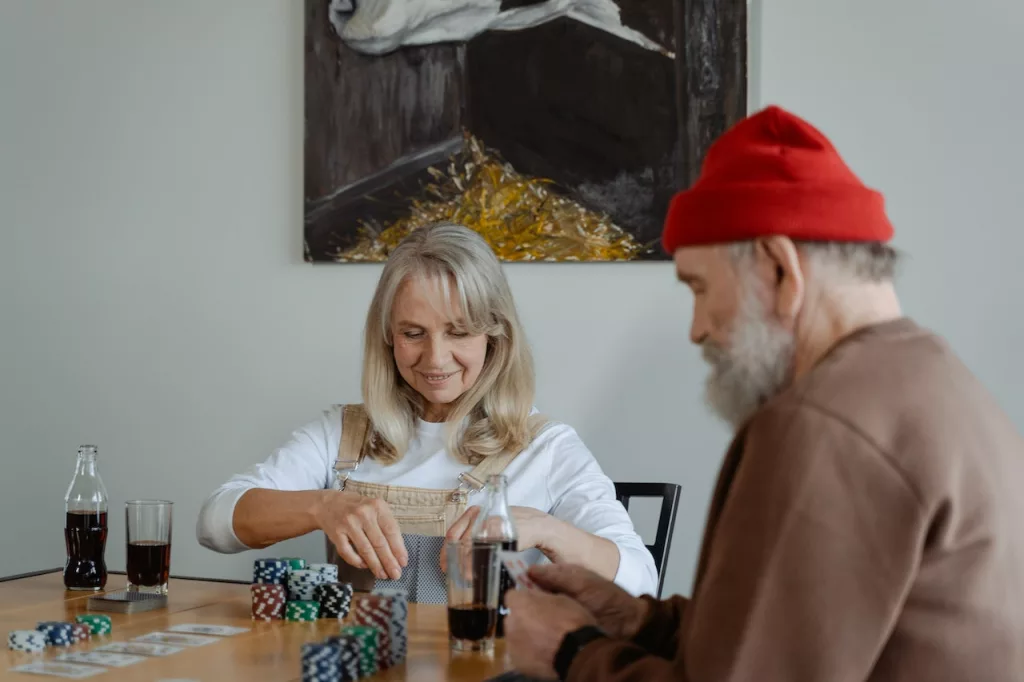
(448,391)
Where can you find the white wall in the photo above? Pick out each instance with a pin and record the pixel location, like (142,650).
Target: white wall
(154,300)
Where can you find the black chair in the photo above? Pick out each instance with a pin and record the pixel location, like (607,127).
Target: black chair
(669,494)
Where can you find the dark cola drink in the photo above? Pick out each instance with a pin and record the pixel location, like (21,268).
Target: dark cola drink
(495,526)
(148,549)
(149,563)
(472,621)
(85,525)
(85,538)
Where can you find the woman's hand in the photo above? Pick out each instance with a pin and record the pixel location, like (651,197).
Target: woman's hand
(559,541)
(534,527)
(364,532)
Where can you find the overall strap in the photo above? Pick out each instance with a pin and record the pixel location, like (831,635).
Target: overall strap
(474,481)
(355,428)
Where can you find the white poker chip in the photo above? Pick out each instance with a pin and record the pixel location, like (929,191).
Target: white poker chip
(26,640)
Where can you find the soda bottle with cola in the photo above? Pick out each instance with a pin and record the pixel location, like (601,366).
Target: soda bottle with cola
(495,526)
(85,525)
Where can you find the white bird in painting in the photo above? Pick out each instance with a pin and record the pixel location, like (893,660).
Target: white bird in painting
(380,26)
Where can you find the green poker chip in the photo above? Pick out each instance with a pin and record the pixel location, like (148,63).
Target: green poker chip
(367,637)
(97,623)
(301,610)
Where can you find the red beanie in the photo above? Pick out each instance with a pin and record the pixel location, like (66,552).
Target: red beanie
(774,174)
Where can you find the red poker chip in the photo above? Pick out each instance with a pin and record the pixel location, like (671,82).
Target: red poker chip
(80,632)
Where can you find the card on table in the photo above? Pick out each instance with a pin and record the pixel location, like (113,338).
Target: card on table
(176,639)
(140,649)
(517,567)
(198,629)
(75,672)
(101,658)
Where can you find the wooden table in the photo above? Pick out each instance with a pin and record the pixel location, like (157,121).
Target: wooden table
(269,651)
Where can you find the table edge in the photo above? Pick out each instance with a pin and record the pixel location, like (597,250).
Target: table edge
(48,571)
(31,574)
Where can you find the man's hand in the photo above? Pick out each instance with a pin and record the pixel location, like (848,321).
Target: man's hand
(535,627)
(364,531)
(616,611)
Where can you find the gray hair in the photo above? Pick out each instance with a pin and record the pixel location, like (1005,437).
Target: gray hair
(864,261)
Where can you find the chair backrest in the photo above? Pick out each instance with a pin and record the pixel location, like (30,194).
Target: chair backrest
(669,494)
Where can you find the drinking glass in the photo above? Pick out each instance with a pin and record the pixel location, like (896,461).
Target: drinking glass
(473,581)
(148,524)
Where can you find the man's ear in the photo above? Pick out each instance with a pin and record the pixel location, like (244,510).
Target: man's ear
(779,254)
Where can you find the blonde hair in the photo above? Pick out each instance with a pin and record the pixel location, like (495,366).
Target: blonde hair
(499,403)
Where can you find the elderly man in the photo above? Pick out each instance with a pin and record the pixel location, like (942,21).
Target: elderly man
(867,521)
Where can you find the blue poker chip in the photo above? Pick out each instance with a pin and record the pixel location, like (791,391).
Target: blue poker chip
(57,633)
(321,663)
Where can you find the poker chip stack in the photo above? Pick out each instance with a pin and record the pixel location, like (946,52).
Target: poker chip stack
(304,611)
(329,572)
(57,634)
(387,615)
(270,571)
(80,633)
(268,601)
(294,563)
(349,649)
(321,663)
(335,599)
(26,640)
(97,623)
(398,622)
(302,585)
(368,641)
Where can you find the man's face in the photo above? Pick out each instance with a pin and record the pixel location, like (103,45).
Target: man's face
(750,352)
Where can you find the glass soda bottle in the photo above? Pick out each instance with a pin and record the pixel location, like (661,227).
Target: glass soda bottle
(85,525)
(495,526)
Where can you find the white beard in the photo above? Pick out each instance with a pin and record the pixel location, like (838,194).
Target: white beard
(380,26)
(755,367)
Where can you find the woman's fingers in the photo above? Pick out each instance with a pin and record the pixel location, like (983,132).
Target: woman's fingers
(347,553)
(383,551)
(365,549)
(392,534)
(462,524)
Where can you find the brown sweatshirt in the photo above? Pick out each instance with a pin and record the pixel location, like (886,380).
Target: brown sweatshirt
(867,524)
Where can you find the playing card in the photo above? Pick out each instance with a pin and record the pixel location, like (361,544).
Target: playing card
(140,649)
(197,629)
(75,672)
(101,658)
(176,639)
(517,568)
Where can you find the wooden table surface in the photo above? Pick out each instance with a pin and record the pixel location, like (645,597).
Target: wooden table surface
(269,651)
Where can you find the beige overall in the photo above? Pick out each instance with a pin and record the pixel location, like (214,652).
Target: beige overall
(423,515)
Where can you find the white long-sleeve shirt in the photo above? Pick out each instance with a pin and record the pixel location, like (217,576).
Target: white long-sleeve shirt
(556,474)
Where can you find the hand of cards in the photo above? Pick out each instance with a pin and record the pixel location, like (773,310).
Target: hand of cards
(517,567)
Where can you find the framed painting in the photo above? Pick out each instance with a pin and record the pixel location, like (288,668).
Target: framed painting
(558,129)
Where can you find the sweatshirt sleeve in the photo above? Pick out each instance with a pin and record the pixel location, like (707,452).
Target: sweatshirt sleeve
(585,497)
(659,633)
(304,462)
(805,570)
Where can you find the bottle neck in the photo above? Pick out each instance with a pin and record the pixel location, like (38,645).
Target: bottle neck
(497,496)
(86,464)
(86,493)
(495,522)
